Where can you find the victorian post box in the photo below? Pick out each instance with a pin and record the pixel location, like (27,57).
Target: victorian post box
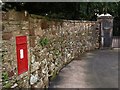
(22,54)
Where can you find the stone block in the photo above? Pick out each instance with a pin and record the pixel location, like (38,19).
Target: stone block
(39,32)
(14,86)
(24,32)
(7,35)
(13,15)
(17,32)
(10,28)
(35,66)
(10,73)
(40,84)
(33,79)
(32,41)
(25,25)
(44,24)
(23,82)
(4,15)
(14,22)
(31,32)
(33,59)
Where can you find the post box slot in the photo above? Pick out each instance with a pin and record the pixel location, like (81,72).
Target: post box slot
(21,53)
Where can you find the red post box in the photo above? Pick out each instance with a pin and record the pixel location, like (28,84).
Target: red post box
(22,54)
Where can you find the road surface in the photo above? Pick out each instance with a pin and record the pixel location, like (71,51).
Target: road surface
(96,69)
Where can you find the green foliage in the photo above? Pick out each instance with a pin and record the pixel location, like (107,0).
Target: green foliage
(5,76)
(70,10)
(44,42)
(6,83)
(53,76)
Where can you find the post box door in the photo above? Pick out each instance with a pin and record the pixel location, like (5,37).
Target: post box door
(22,57)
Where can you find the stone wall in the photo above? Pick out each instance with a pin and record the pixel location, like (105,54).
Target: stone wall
(0,51)
(51,45)
(13,24)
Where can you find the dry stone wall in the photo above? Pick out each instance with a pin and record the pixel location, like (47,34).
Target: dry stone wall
(51,45)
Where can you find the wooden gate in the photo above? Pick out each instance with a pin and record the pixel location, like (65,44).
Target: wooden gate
(116,42)
(116,33)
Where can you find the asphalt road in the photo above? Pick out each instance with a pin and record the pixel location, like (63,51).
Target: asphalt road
(96,69)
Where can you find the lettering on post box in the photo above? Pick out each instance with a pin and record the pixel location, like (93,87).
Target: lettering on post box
(22,54)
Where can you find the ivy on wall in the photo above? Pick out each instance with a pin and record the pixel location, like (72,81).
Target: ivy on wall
(43,42)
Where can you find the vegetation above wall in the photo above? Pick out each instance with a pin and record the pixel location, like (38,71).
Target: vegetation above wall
(69,10)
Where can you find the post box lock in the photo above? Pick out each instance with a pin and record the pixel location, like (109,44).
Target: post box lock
(22,54)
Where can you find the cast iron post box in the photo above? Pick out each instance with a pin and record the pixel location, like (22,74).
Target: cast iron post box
(22,54)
